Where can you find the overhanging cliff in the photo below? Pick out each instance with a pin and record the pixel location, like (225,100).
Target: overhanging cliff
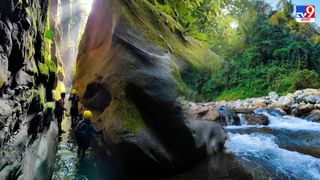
(128,72)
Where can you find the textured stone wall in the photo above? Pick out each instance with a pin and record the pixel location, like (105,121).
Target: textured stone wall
(27,78)
(128,73)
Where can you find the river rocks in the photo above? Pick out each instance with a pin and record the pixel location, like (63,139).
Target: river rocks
(203,111)
(258,104)
(314,116)
(301,109)
(227,117)
(244,110)
(273,95)
(299,103)
(211,115)
(312,99)
(307,92)
(254,119)
(128,72)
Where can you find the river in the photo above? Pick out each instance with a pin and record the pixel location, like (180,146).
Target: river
(288,148)
(96,165)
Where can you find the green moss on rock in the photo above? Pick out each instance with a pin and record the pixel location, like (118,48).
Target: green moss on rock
(49,105)
(42,95)
(130,117)
(163,31)
(44,69)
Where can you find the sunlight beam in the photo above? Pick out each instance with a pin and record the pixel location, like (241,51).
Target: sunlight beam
(86,5)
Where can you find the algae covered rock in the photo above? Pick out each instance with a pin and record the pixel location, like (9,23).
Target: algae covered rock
(128,72)
(28,133)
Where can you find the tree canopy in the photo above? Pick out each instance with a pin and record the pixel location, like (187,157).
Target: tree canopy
(264,49)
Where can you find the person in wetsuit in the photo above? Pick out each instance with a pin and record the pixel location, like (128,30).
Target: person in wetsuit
(84,133)
(74,112)
(59,110)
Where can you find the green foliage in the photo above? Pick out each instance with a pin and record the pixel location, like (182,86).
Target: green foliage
(269,51)
(48,34)
(233,94)
(305,79)
(210,21)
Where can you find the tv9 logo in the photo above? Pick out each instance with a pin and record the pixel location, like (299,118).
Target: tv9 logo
(306,13)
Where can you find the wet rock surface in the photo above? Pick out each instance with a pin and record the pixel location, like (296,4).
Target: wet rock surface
(302,103)
(27,129)
(314,116)
(202,111)
(298,103)
(129,51)
(253,119)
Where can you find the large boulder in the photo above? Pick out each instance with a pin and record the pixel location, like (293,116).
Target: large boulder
(314,116)
(256,119)
(244,110)
(227,116)
(273,96)
(128,73)
(312,99)
(202,111)
(302,109)
(258,103)
(315,92)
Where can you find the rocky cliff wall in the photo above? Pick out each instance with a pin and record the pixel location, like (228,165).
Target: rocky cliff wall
(28,133)
(128,73)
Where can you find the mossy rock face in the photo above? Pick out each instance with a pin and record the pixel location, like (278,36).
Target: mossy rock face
(5,48)
(27,77)
(134,58)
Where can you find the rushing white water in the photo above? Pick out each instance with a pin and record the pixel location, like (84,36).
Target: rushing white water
(291,122)
(281,122)
(263,149)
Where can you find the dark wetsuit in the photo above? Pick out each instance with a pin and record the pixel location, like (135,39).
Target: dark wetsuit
(58,111)
(74,112)
(84,132)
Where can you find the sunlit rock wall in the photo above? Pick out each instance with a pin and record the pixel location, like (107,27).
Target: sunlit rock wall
(128,73)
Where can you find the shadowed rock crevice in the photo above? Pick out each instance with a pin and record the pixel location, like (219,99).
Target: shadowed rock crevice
(165,118)
(96,97)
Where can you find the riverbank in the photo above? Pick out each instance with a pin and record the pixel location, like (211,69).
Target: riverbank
(302,103)
(271,137)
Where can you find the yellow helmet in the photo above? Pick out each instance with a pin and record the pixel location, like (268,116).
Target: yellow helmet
(87,114)
(74,91)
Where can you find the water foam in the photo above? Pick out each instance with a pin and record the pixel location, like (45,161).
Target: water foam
(281,122)
(263,149)
(291,122)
